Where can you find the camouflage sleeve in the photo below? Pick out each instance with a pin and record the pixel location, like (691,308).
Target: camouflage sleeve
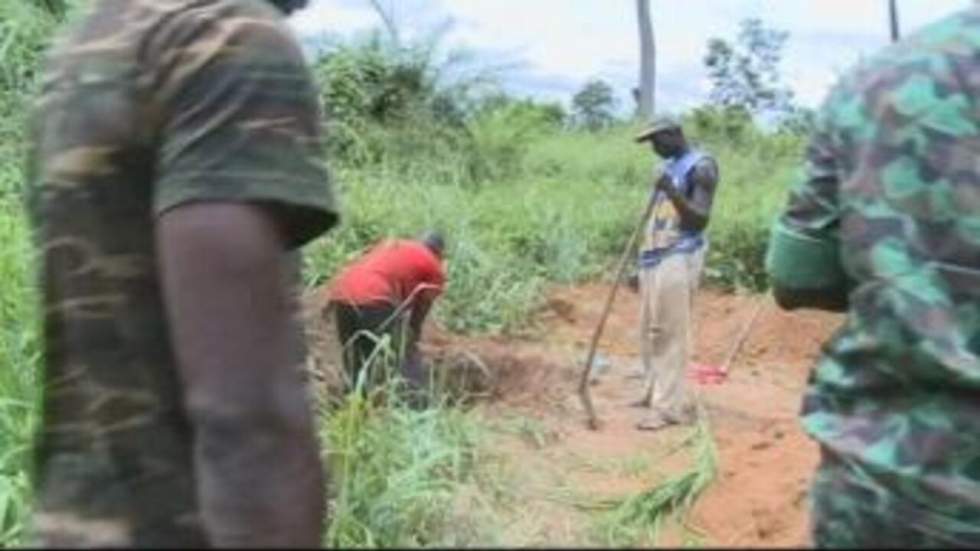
(803,249)
(241,120)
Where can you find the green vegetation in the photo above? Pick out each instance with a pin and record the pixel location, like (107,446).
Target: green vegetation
(24,30)
(395,472)
(525,198)
(638,519)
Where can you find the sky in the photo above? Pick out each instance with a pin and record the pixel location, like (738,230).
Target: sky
(548,49)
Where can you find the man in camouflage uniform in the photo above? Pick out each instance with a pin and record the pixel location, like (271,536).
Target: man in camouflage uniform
(886,226)
(671,259)
(175,171)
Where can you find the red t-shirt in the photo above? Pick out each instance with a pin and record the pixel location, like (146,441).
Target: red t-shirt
(390,272)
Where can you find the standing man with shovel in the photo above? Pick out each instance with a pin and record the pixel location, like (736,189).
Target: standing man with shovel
(671,258)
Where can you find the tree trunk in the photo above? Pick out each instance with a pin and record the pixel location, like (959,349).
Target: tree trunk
(388,18)
(893,18)
(648,62)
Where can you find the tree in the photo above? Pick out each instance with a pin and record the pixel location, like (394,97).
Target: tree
(745,74)
(646,102)
(593,105)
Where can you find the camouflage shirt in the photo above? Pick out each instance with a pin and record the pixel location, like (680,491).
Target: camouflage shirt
(146,105)
(889,212)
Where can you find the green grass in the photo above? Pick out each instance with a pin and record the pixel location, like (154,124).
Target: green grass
(562,217)
(395,471)
(24,31)
(505,240)
(638,519)
(19,391)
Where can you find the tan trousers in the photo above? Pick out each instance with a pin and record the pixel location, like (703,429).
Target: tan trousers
(666,318)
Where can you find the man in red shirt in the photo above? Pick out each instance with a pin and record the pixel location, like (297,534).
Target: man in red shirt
(387,293)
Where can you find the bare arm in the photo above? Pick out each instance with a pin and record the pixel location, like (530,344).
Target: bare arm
(256,456)
(696,211)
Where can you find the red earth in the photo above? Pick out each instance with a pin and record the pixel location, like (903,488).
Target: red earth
(764,459)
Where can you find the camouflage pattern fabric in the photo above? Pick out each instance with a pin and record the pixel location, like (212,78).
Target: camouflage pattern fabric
(890,211)
(849,514)
(146,105)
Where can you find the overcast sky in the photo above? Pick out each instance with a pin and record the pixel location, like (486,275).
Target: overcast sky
(552,47)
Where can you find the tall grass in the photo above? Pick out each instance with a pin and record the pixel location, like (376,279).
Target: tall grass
(395,469)
(24,32)
(19,355)
(504,241)
(560,215)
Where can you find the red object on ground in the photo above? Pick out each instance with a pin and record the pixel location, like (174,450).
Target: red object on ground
(706,374)
(390,272)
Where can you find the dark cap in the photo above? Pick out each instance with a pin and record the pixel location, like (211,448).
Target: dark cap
(435,241)
(658,125)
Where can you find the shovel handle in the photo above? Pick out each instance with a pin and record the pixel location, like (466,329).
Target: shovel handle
(583,386)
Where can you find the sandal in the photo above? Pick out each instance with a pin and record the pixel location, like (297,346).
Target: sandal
(654,422)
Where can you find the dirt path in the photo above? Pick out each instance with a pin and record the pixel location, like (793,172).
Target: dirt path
(765,461)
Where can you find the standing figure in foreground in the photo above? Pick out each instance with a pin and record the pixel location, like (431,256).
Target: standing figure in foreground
(388,292)
(671,258)
(175,172)
(886,227)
